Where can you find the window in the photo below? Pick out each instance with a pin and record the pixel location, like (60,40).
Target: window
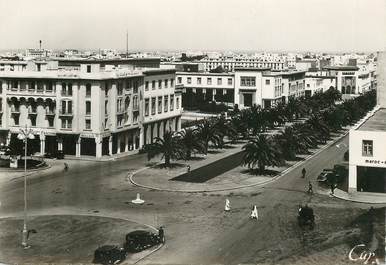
(159,104)
(147,107)
(33,121)
(119,89)
(153,84)
(177,103)
(247,81)
(166,83)
(135,86)
(146,85)
(50,87)
(209,81)
(88,107)
(88,68)
(219,81)
(129,85)
(153,106)
(171,82)
(106,90)
(267,81)
(66,123)
(50,122)
(179,80)
(66,107)
(229,81)
(166,99)
(171,102)
(159,84)
(189,80)
(40,87)
(16,119)
(88,90)
(367,148)
(88,124)
(198,80)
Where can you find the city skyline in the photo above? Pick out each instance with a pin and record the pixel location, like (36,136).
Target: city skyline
(298,25)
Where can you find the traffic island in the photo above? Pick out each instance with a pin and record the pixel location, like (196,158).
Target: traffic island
(64,239)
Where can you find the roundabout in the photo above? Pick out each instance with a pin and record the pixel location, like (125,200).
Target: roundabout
(65,238)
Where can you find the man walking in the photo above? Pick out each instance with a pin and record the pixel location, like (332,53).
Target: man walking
(310,189)
(303,172)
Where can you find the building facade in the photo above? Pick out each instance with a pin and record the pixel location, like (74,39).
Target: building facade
(90,111)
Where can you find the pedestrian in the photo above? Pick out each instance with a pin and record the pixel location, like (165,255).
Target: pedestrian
(65,166)
(227,205)
(332,187)
(188,168)
(310,190)
(254,213)
(303,172)
(161,234)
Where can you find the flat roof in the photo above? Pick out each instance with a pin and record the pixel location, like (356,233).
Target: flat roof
(205,73)
(377,122)
(342,68)
(252,68)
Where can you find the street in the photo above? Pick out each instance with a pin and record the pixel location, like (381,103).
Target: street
(196,227)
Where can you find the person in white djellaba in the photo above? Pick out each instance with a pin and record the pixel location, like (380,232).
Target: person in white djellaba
(254,213)
(227,205)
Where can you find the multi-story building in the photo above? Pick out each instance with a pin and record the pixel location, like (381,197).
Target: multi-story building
(244,87)
(230,63)
(367,148)
(318,84)
(89,108)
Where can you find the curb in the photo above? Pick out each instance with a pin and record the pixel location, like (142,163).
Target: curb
(355,200)
(131,175)
(28,170)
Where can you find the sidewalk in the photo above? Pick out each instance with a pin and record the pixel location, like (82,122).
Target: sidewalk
(362,197)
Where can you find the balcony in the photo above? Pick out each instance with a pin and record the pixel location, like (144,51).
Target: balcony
(32,111)
(50,112)
(65,113)
(15,110)
(135,107)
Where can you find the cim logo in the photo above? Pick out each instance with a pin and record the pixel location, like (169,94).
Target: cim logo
(365,256)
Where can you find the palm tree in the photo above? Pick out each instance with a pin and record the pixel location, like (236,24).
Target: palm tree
(169,146)
(191,142)
(208,132)
(225,128)
(291,144)
(262,152)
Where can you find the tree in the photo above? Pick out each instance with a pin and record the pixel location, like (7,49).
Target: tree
(291,144)
(208,132)
(191,142)
(262,152)
(169,146)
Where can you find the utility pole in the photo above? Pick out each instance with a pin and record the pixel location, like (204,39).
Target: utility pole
(127,44)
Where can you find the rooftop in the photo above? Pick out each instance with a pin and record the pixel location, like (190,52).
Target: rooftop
(342,68)
(254,69)
(377,122)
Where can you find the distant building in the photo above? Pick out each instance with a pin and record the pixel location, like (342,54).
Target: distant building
(367,148)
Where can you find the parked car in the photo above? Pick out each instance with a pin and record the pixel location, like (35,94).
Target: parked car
(109,254)
(55,154)
(325,175)
(139,240)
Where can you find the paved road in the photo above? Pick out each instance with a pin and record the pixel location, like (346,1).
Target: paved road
(197,229)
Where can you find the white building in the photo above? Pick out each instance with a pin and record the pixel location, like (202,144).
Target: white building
(367,149)
(90,107)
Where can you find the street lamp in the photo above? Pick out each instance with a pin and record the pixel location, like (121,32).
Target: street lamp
(24,135)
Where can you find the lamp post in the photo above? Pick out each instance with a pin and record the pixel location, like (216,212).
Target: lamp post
(24,135)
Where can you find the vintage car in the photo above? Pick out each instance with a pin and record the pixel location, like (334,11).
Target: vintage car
(139,240)
(109,254)
(306,216)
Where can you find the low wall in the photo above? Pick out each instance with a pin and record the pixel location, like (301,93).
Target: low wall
(207,172)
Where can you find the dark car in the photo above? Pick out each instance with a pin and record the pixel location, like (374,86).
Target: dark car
(55,154)
(139,240)
(325,175)
(109,254)
(306,216)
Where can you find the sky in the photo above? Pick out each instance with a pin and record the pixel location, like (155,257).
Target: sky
(255,25)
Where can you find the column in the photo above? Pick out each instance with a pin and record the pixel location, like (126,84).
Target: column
(42,144)
(77,147)
(126,135)
(119,143)
(352,178)
(141,137)
(179,123)
(110,145)
(98,147)
(60,144)
(134,144)
(8,140)
(161,129)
